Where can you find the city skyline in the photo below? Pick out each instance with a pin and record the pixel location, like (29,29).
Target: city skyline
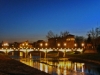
(22,20)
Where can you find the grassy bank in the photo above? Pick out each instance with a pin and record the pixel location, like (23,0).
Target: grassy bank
(12,67)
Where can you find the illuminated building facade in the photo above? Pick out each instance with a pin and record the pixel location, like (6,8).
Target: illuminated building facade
(62,42)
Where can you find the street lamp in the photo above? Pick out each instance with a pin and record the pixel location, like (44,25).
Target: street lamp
(75,45)
(5,45)
(64,50)
(58,44)
(82,44)
(41,44)
(41,47)
(64,44)
(46,44)
(58,48)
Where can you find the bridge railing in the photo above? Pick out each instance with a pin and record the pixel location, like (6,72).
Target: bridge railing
(44,50)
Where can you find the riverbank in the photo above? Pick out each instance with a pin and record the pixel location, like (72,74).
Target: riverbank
(93,58)
(10,66)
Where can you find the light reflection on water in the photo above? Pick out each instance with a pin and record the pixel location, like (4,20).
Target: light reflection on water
(64,67)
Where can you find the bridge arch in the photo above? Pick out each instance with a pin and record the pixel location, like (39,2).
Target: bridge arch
(36,53)
(1,52)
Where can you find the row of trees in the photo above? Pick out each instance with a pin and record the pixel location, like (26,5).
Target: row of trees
(94,37)
(50,34)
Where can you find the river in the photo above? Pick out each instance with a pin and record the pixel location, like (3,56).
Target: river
(63,66)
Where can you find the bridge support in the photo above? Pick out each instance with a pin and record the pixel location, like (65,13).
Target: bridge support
(58,52)
(26,54)
(30,55)
(12,53)
(64,53)
(40,54)
(6,52)
(46,53)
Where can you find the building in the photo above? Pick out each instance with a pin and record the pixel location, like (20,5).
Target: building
(40,44)
(62,42)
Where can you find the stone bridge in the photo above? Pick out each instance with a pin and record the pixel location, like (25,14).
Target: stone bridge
(40,52)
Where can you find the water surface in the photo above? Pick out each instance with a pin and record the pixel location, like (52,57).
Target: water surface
(63,67)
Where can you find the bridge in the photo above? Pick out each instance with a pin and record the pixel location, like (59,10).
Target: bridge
(44,51)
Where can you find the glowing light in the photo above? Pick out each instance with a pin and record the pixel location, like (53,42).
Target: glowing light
(26,43)
(5,44)
(41,66)
(83,67)
(41,44)
(58,44)
(46,68)
(75,44)
(64,44)
(46,44)
(82,44)
(75,67)
(23,44)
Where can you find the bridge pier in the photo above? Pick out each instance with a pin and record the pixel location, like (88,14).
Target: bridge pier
(26,53)
(40,54)
(64,53)
(30,56)
(12,53)
(6,52)
(45,54)
(58,52)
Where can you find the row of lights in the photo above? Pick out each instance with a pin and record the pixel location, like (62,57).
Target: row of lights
(42,44)
(46,44)
(81,45)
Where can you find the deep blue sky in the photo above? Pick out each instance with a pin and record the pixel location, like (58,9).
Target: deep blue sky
(22,20)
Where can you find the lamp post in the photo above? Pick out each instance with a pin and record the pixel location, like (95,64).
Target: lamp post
(58,48)
(65,49)
(41,47)
(64,44)
(82,45)
(25,46)
(75,45)
(58,45)
(5,45)
(46,44)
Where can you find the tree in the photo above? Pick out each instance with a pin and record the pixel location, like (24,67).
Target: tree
(64,34)
(94,33)
(89,39)
(50,34)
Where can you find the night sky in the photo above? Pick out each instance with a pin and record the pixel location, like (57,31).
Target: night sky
(22,20)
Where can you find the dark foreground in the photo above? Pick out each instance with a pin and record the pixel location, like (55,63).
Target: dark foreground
(12,67)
